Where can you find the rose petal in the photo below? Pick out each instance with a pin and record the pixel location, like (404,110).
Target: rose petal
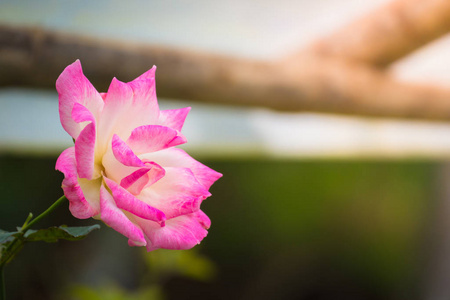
(85,152)
(115,112)
(144,90)
(175,157)
(156,173)
(147,76)
(177,193)
(142,178)
(180,233)
(203,219)
(115,170)
(130,203)
(115,218)
(78,205)
(173,118)
(129,105)
(123,153)
(150,138)
(80,114)
(178,140)
(73,87)
(85,142)
(136,181)
(120,93)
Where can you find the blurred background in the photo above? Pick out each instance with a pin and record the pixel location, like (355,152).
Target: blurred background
(312,205)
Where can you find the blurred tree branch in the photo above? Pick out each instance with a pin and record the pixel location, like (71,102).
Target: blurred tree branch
(386,34)
(339,74)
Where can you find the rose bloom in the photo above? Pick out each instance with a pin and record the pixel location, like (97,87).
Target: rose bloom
(124,169)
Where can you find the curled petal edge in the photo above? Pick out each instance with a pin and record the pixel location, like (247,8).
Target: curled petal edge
(181,233)
(142,178)
(78,205)
(73,87)
(123,153)
(177,193)
(114,217)
(130,203)
(152,138)
(175,157)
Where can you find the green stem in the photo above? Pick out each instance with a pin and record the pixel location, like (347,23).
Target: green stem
(10,251)
(27,226)
(30,216)
(45,213)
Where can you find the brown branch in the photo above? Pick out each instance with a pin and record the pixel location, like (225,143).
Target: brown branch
(36,57)
(386,34)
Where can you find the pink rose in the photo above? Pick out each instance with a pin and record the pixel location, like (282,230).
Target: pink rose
(124,168)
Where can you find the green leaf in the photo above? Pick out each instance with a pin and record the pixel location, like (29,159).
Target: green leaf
(53,234)
(10,247)
(6,236)
(81,231)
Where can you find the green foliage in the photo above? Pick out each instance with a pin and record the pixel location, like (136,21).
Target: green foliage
(187,263)
(360,219)
(162,265)
(334,223)
(6,236)
(53,234)
(12,242)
